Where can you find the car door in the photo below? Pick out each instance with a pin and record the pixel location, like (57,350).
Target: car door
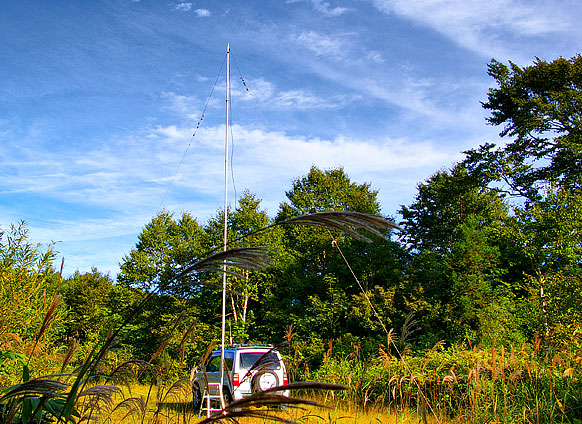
(213,373)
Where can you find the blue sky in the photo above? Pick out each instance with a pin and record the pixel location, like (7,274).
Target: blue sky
(99,101)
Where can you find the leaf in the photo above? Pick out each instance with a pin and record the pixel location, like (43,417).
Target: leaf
(247,258)
(347,222)
(35,387)
(25,373)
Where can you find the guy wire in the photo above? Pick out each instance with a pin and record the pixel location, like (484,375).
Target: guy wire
(193,135)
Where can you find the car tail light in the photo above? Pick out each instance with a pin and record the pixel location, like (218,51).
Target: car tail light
(235,381)
(285,379)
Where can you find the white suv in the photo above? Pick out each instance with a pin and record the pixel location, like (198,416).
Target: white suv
(249,369)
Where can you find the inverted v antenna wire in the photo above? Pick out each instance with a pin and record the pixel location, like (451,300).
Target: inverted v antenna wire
(244,83)
(336,245)
(426,401)
(193,135)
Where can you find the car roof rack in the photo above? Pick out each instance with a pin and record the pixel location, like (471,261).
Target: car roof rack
(250,345)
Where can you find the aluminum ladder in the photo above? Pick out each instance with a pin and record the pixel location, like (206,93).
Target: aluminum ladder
(207,400)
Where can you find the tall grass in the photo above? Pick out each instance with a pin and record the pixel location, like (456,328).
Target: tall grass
(526,385)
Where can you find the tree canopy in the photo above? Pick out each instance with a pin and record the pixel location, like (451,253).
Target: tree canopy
(540,109)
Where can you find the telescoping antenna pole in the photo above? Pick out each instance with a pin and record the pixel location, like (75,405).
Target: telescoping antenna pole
(221,388)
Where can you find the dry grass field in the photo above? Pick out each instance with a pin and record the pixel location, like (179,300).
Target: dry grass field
(165,406)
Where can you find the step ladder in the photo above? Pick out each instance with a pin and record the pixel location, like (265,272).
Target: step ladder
(208,399)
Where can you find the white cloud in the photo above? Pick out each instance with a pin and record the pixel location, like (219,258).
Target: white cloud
(183,7)
(324,7)
(322,45)
(134,172)
(184,105)
(303,100)
(259,89)
(267,95)
(375,56)
(485,26)
(202,13)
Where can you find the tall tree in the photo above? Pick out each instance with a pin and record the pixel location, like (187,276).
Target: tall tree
(453,233)
(245,225)
(164,246)
(547,233)
(540,109)
(316,290)
(95,304)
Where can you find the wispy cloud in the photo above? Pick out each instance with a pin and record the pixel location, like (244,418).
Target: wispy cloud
(202,13)
(259,88)
(485,26)
(326,9)
(323,7)
(375,56)
(185,106)
(321,44)
(283,157)
(134,171)
(269,96)
(183,6)
(302,100)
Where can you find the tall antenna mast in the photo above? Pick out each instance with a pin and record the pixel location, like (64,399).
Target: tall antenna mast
(221,390)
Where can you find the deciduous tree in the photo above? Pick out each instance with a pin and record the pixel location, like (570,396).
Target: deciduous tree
(540,109)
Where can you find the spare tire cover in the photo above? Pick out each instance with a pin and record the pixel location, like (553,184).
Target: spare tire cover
(264,380)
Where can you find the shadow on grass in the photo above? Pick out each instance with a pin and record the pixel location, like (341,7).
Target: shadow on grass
(180,407)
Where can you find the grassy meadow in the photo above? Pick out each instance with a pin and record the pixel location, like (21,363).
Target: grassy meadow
(176,408)
(443,385)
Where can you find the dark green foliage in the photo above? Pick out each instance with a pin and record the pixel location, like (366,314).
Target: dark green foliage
(454,233)
(314,291)
(165,245)
(548,239)
(540,109)
(95,305)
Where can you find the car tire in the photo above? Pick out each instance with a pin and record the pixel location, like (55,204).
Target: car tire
(227,397)
(196,398)
(264,380)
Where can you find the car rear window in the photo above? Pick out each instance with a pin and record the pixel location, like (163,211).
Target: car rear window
(270,360)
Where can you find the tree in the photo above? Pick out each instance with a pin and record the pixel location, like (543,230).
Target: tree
(27,283)
(328,190)
(548,236)
(164,246)
(540,107)
(31,313)
(442,205)
(95,305)
(453,232)
(245,225)
(315,288)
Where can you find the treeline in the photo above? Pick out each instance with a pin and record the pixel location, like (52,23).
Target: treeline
(489,253)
